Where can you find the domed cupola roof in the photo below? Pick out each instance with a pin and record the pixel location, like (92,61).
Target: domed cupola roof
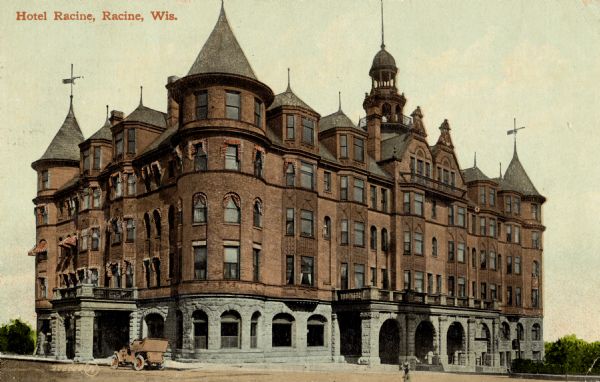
(383,61)
(222,53)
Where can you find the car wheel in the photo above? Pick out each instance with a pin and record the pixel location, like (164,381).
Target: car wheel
(138,362)
(114,362)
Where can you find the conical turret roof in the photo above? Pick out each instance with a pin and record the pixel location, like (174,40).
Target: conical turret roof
(516,179)
(65,144)
(222,53)
(289,98)
(103,133)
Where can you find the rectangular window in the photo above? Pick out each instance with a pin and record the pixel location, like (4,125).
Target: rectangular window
(462,288)
(433,209)
(308,131)
(95,239)
(509,265)
(430,283)
(384,200)
(307,270)
(493,292)
(373,276)
(289,270)
(450,214)
(461,252)
(535,301)
(517,206)
(492,228)
(359,150)
(231,158)
(517,265)
(518,296)
(474,289)
(119,144)
(290,126)
(255,264)
(535,212)
(407,242)
(450,251)
(232,105)
(257,112)
(130,141)
(483,260)
(343,188)
(373,192)
(509,295)
(202,105)
(482,226)
(359,275)
(451,286)
(420,167)
(427,169)
(232,263)
(201,158)
(406,203)
(407,280)
(289,222)
(97,158)
(359,190)
(359,234)
(438,283)
(492,197)
(130,224)
(419,282)
(131,185)
(517,234)
(343,146)
(306,221)
(508,233)
(86,160)
(483,290)
(482,194)
(418,243)
(344,276)
(535,239)
(327,181)
(419,204)
(385,282)
(200,262)
(344,233)
(306,175)
(493,260)
(473,224)
(507,204)
(461,217)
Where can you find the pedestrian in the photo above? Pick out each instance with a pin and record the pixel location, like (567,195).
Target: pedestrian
(406,369)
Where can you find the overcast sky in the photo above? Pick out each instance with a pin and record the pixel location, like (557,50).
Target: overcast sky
(477,63)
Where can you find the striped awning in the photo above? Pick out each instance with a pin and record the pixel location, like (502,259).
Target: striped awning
(42,246)
(69,242)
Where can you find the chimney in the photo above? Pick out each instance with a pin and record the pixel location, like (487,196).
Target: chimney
(116,116)
(172,105)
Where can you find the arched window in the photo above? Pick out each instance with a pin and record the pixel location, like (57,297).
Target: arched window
(147,225)
(536,269)
(483,259)
(290,175)
(327,228)
(520,332)
(434,247)
(258,164)
(156,266)
(283,330)
(505,331)
(384,240)
(155,326)
(157,222)
(232,210)
(230,330)
(254,330)
(386,112)
(474,258)
(315,333)
(536,332)
(257,213)
(200,321)
(199,208)
(373,238)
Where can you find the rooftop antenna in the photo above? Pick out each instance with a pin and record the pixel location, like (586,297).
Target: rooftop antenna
(514,132)
(382,34)
(71,80)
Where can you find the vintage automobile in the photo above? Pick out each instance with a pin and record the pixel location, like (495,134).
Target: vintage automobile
(147,352)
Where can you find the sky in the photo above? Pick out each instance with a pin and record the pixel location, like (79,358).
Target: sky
(477,63)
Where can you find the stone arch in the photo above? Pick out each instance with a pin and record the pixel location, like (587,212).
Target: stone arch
(505,330)
(255,328)
(425,335)
(455,343)
(231,329)
(154,325)
(199,328)
(389,342)
(316,330)
(283,331)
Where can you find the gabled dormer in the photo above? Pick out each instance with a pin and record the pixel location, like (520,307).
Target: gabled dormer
(447,171)
(96,151)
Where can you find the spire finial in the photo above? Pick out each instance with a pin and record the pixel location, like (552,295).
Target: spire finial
(514,131)
(71,81)
(141,95)
(500,170)
(339,101)
(289,87)
(475,160)
(106,111)
(382,34)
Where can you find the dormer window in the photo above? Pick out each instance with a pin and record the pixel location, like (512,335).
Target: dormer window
(290,126)
(257,112)
(308,131)
(131,141)
(119,144)
(232,105)
(86,161)
(202,105)
(97,158)
(359,150)
(343,146)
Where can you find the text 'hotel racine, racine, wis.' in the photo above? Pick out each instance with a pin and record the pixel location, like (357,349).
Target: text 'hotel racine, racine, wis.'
(244,226)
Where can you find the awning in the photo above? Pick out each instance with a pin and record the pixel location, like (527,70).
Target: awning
(42,246)
(70,241)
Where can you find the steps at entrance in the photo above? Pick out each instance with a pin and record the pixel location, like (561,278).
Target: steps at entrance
(425,367)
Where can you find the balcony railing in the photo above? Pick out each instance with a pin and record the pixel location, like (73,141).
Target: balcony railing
(91,291)
(432,184)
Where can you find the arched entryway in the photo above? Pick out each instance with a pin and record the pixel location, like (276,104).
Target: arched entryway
(424,342)
(455,343)
(484,338)
(155,325)
(389,342)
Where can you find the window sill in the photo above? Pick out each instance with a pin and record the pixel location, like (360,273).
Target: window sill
(307,236)
(202,224)
(231,223)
